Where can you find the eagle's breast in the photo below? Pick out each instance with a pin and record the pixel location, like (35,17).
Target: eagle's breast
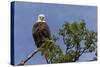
(40,31)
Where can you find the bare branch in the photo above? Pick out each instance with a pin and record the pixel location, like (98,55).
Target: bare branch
(47,60)
(82,52)
(28,57)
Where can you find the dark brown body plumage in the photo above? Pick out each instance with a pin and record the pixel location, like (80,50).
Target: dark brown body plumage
(40,31)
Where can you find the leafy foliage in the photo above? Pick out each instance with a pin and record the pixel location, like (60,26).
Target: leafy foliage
(78,40)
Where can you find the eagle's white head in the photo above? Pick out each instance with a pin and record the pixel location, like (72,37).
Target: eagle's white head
(41,18)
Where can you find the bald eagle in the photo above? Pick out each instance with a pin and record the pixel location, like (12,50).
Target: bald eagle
(40,31)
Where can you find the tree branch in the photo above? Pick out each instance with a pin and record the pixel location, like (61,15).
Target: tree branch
(67,48)
(47,60)
(28,57)
(82,52)
(77,51)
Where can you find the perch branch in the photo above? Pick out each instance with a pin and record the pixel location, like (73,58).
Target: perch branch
(30,56)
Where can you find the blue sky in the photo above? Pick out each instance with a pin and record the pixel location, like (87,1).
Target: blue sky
(26,15)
